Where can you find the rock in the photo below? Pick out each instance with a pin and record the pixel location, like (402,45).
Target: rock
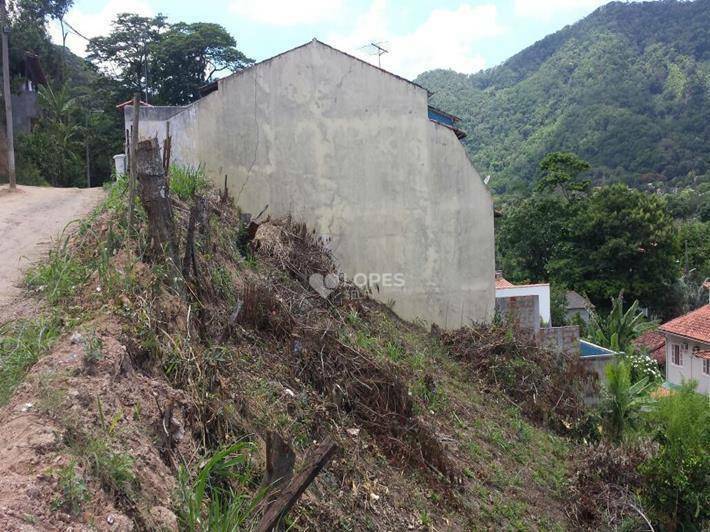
(163,519)
(75,338)
(119,523)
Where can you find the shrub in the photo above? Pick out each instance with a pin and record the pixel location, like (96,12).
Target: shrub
(677,487)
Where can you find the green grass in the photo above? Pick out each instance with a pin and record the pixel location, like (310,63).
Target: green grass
(21,344)
(186,181)
(58,278)
(72,489)
(112,468)
(213,500)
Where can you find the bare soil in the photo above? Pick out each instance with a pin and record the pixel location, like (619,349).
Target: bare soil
(30,219)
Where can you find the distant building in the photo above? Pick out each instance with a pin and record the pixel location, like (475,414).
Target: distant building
(534,297)
(655,343)
(577,305)
(688,349)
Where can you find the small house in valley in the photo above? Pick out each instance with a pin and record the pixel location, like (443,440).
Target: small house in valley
(688,349)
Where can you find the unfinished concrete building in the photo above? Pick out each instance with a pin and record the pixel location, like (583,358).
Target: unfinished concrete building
(357,154)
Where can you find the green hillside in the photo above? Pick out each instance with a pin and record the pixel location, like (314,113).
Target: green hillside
(627,88)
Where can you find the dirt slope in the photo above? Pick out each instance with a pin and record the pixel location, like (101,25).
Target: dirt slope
(29,219)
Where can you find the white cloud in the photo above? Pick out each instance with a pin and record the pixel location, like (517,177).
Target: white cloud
(286,12)
(95,23)
(545,9)
(446,39)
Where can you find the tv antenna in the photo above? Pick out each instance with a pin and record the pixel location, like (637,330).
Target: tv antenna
(378,49)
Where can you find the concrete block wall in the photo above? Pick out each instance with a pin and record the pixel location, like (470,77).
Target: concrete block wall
(563,339)
(523,311)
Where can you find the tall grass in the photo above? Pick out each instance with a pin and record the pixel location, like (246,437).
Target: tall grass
(187,181)
(21,344)
(213,500)
(59,276)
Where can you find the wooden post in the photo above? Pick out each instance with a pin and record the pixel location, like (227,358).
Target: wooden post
(133,171)
(7,96)
(289,495)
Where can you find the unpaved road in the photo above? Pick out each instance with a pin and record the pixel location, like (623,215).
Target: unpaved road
(30,219)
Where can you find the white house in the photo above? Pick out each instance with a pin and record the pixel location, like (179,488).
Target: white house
(507,291)
(688,349)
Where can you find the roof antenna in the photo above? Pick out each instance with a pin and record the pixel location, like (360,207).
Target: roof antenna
(378,49)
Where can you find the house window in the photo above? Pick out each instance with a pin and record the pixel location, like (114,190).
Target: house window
(706,366)
(677,356)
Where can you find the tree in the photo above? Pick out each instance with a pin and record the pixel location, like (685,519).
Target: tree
(168,63)
(127,52)
(53,145)
(561,171)
(530,234)
(619,239)
(189,55)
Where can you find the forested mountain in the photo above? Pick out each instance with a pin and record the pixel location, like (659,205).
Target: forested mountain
(627,88)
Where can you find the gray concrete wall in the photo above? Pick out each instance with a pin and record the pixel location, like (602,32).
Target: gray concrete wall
(349,149)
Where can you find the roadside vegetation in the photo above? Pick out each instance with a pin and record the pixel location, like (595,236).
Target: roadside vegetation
(436,429)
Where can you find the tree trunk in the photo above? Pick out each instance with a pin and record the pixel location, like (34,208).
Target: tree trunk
(153,192)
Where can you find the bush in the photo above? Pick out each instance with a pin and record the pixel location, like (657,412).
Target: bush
(677,487)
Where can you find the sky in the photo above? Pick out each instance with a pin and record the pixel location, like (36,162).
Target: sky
(420,35)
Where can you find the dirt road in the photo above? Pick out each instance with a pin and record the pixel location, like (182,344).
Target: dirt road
(30,219)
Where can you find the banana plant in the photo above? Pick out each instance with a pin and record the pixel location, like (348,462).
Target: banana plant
(619,328)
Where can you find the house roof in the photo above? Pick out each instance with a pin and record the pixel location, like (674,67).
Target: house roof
(209,89)
(704,354)
(694,325)
(577,301)
(503,283)
(130,102)
(655,343)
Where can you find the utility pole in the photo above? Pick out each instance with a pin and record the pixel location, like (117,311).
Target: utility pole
(7,97)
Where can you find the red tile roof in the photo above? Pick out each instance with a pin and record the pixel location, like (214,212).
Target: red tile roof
(503,283)
(655,343)
(694,325)
(703,354)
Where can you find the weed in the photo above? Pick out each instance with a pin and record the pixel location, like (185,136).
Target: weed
(50,397)
(213,500)
(187,181)
(394,351)
(113,469)
(73,490)
(58,277)
(434,397)
(353,318)
(93,349)
(21,344)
